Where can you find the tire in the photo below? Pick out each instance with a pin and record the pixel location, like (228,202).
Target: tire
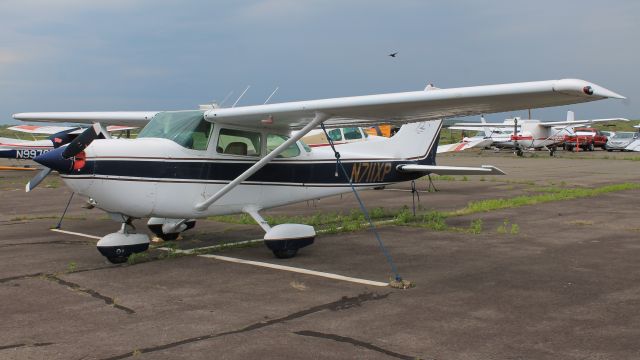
(118,260)
(285,254)
(591,147)
(609,150)
(157,231)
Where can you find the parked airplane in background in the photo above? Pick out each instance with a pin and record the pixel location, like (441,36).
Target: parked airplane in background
(635,145)
(21,149)
(527,134)
(193,164)
(340,136)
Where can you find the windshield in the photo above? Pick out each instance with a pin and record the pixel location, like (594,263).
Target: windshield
(623,136)
(187,128)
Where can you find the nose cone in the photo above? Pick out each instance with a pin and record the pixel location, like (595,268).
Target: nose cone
(54,161)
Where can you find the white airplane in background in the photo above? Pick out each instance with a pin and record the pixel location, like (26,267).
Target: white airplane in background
(21,149)
(526,134)
(192,164)
(635,145)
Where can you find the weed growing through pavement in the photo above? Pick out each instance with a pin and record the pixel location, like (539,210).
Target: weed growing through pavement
(72,266)
(137,258)
(476,226)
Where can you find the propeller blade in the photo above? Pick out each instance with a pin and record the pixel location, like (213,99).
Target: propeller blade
(62,137)
(37,179)
(83,140)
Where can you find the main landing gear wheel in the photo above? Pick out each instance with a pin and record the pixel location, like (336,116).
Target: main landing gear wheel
(285,254)
(156,229)
(285,240)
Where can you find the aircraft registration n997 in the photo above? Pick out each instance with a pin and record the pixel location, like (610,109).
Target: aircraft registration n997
(20,149)
(186,165)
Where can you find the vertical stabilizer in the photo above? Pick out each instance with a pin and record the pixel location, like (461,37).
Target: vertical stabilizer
(570,115)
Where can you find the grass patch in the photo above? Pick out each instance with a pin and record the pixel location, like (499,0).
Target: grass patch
(581,222)
(476,226)
(507,228)
(137,258)
(332,223)
(556,195)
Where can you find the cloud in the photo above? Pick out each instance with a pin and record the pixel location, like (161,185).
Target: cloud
(8,57)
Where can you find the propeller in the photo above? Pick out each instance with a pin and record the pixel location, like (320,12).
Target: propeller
(63,137)
(64,159)
(83,140)
(36,180)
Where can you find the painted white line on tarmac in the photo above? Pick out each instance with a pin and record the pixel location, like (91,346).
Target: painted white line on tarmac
(77,234)
(296,270)
(250,262)
(212,247)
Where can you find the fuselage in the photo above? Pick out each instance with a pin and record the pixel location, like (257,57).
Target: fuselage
(166,176)
(23,149)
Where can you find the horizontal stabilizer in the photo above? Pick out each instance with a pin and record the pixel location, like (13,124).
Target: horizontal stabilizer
(451,170)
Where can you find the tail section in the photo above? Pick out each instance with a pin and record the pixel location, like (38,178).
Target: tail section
(414,142)
(417,141)
(570,116)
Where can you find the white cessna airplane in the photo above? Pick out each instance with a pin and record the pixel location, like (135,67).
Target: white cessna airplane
(191,164)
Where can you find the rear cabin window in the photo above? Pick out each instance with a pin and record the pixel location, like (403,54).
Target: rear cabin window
(186,128)
(275,140)
(238,142)
(335,135)
(352,133)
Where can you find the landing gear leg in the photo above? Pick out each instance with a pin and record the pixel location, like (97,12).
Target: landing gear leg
(431,185)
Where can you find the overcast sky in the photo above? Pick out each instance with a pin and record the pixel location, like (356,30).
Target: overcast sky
(79,55)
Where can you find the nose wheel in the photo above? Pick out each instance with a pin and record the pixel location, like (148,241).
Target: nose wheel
(118,246)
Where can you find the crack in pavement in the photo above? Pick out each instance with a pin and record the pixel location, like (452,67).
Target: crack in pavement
(20,277)
(93,293)
(354,342)
(343,304)
(15,346)
(35,275)
(52,242)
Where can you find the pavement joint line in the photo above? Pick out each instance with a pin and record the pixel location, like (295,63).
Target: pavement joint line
(297,270)
(77,234)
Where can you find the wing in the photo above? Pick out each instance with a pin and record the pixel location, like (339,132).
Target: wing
(479,127)
(110,128)
(123,118)
(396,108)
(451,170)
(38,129)
(579,122)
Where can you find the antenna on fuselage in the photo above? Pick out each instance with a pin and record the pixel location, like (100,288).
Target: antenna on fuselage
(240,97)
(270,96)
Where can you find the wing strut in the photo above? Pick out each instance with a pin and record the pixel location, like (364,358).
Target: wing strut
(317,120)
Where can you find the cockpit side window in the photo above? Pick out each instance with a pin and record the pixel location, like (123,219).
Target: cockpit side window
(275,140)
(238,142)
(186,128)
